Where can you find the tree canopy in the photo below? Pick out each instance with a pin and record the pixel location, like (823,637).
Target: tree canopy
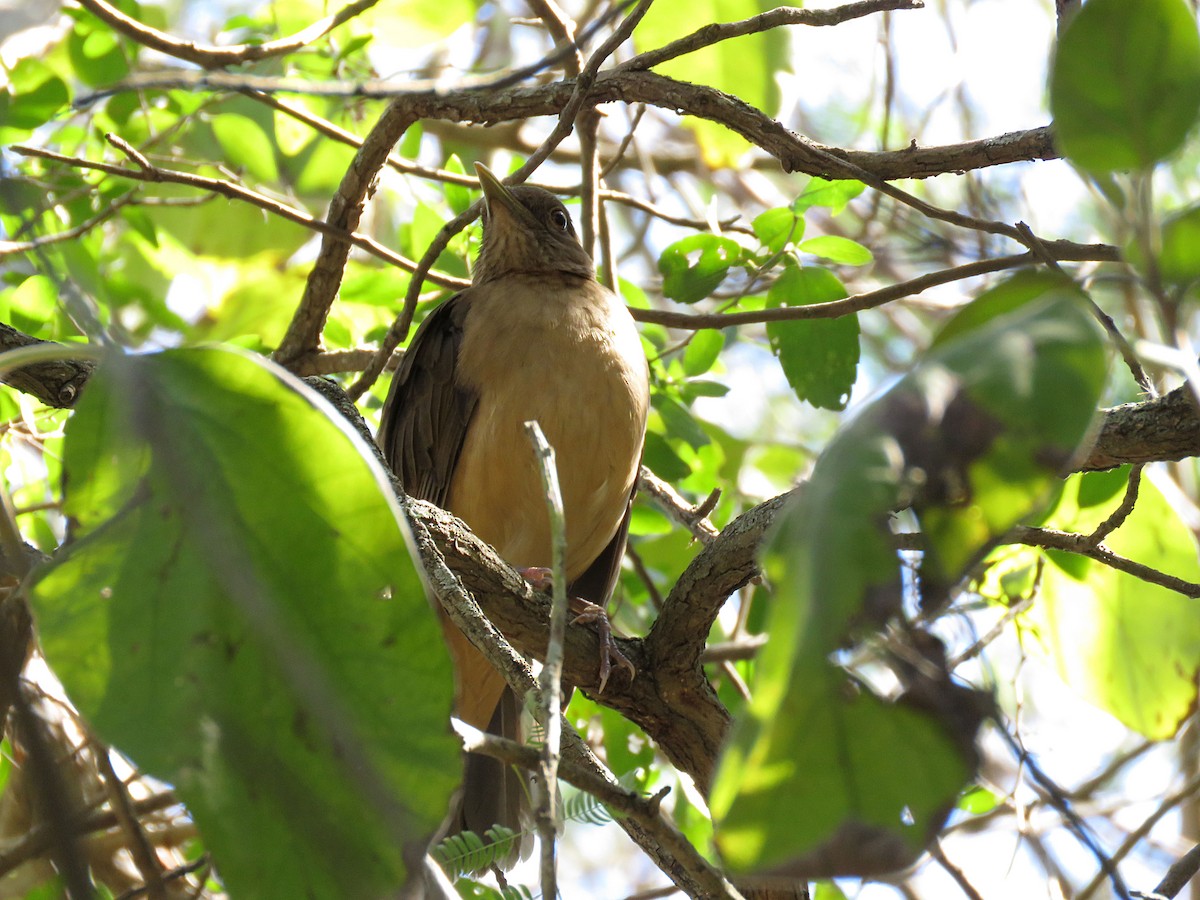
(912,585)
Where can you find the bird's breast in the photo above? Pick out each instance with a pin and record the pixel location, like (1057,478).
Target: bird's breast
(572,360)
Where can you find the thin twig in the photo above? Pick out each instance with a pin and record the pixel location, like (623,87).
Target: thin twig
(1191,788)
(693,518)
(742,648)
(1177,877)
(481,101)
(211,56)
(121,804)
(550,678)
(1038,246)
(935,850)
(1080,543)
(567,115)
(775,18)
(661,841)
(431,173)
(588,774)
(157,175)
(868,300)
(1118,516)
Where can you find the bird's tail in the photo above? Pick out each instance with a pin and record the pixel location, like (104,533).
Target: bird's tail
(495,794)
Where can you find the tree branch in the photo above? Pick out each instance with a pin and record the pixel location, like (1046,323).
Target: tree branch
(672,851)
(872,299)
(55,384)
(211,56)
(487,105)
(716,32)
(303,334)
(1166,428)
(147,172)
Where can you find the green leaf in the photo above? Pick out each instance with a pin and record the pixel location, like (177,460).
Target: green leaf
(1029,387)
(246,145)
(1179,261)
(973,440)
(746,66)
(827,890)
(96,53)
(777,228)
(832,194)
(978,801)
(141,223)
(1125,84)
(837,249)
(1128,646)
(702,351)
(679,422)
(34,96)
(662,460)
(695,267)
(238,611)
(702,388)
(31,306)
(1003,298)
(457,196)
(414,23)
(291,135)
(819,356)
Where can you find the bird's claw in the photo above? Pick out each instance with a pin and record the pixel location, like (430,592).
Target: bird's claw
(539,577)
(609,652)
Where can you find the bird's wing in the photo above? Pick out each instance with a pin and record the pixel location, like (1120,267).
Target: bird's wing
(598,580)
(428,411)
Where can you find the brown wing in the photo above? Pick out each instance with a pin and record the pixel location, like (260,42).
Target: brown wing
(598,579)
(427,411)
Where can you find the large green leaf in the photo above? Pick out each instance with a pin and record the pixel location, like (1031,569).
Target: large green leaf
(239,612)
(1129,646)
(819,356)
(1125,86)
(973,440)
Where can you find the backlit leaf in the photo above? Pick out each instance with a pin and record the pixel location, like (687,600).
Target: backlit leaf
(973,440)
(1125,84)
(819,356)
(268,647)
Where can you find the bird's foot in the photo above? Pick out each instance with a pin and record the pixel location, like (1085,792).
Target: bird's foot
(539,577)
(610,654)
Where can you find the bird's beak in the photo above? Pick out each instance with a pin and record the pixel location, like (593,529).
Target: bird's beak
(499,199)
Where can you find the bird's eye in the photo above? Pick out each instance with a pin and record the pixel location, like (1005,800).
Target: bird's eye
(560,220)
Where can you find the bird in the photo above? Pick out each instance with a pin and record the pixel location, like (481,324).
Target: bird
(535,336)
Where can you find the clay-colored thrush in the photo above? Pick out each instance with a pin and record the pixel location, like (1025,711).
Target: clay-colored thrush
(535,336)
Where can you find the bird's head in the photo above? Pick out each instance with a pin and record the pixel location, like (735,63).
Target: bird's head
(526,230)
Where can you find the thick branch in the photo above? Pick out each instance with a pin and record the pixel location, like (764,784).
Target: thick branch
(1165,428)
(679,710)
(729,562)
(56,383)
(304,332)
(488,106)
